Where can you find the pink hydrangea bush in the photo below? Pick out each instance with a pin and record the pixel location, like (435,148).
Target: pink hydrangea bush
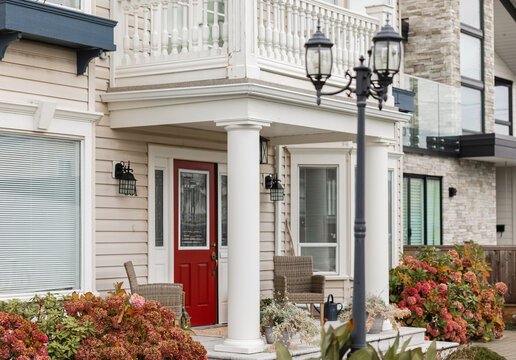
(449,295)
(21,339)
(128,327)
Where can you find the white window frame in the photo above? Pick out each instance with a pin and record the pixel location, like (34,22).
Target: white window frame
(84,6)
(326,155)
(394,165)
(28,118)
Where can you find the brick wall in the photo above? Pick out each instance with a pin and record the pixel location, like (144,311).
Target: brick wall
(471,214)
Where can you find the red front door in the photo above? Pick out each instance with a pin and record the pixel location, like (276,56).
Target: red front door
(195,243)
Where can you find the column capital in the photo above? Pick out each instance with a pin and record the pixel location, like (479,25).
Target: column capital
(243,123)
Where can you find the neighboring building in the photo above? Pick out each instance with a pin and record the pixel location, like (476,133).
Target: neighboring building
(185,98)
(460,60)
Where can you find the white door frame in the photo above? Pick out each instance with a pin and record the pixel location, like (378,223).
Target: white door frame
(161,259)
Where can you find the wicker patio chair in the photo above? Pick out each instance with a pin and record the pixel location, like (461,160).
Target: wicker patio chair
(170,296)
(294,281)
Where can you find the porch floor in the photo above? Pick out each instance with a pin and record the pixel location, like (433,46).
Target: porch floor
(299,352)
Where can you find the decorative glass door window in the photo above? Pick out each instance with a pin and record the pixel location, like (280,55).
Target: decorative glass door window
(193,215)
(318,216)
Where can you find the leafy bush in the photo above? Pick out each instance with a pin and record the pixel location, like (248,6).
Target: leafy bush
(475,353)
(448,294)
(128,327)
(21,339)
(64,333)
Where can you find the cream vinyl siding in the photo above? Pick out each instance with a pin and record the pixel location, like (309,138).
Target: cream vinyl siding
(505,204)
(37,71)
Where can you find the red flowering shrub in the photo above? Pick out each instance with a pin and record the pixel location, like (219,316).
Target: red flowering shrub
(448,294)
(21,339)
(130,328)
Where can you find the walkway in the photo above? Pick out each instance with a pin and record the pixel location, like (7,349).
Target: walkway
(506,346)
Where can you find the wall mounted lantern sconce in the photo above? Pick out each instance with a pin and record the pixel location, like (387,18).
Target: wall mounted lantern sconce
(274,185)
(126,180)
(452,191)
(264,150)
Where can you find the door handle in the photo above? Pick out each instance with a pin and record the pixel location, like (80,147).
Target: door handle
(213,255)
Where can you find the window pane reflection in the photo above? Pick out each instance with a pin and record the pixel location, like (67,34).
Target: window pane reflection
(193,205)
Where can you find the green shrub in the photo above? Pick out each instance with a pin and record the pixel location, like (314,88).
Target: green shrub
(64,333)
(475,353)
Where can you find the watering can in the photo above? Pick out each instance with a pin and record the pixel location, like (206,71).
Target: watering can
(331,309)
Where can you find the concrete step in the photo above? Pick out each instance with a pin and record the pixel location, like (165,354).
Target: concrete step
(385,339)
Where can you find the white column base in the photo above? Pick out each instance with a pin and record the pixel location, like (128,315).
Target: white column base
(241,346)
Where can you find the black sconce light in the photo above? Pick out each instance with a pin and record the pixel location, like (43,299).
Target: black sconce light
(264,150)
(452,191)
(126,180)
(274,185)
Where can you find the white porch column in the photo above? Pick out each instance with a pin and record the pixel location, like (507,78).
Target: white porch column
(243,238)
(377,220)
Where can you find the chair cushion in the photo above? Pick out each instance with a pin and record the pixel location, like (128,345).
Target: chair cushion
(305,297)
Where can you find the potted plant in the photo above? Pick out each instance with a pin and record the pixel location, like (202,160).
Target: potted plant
(377,311)
(281,321)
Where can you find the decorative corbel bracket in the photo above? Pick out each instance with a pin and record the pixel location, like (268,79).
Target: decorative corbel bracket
(84,57)
(7,38)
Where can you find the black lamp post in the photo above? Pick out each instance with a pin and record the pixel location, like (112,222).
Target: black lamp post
(386,58)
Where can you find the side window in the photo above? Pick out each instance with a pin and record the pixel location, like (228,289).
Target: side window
(318,216)
(421,210)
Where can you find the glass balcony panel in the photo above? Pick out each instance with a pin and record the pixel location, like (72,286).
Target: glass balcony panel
(437,114)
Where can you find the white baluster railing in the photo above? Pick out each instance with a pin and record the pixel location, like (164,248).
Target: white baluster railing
(285,25)
(159,30)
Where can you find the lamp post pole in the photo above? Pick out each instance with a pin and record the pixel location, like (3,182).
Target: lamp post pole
(386,59)
(358,334)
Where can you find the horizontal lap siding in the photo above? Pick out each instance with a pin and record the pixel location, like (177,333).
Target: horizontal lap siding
(37,71)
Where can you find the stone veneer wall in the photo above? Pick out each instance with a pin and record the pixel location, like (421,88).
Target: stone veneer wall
(471,214)
(432,50)
(489,66)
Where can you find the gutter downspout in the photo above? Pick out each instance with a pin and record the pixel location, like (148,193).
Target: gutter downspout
(278,248)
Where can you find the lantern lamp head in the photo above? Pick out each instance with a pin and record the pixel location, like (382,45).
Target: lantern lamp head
(386,54)
(126,180)
(277,193)
(318,58)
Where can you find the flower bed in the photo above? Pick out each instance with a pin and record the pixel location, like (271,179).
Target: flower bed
(21,339)
(90,327)
(448,294)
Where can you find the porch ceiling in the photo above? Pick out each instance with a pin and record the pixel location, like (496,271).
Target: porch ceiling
(292,115)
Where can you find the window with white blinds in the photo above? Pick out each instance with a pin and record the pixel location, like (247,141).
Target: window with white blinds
(40,227)
(421,210)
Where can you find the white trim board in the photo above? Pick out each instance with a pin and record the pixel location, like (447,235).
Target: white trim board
(331,156)
(21,117)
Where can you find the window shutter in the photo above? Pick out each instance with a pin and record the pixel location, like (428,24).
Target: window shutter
(39,214)
(417,214)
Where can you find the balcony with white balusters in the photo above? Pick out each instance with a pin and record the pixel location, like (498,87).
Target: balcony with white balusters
(169,41)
